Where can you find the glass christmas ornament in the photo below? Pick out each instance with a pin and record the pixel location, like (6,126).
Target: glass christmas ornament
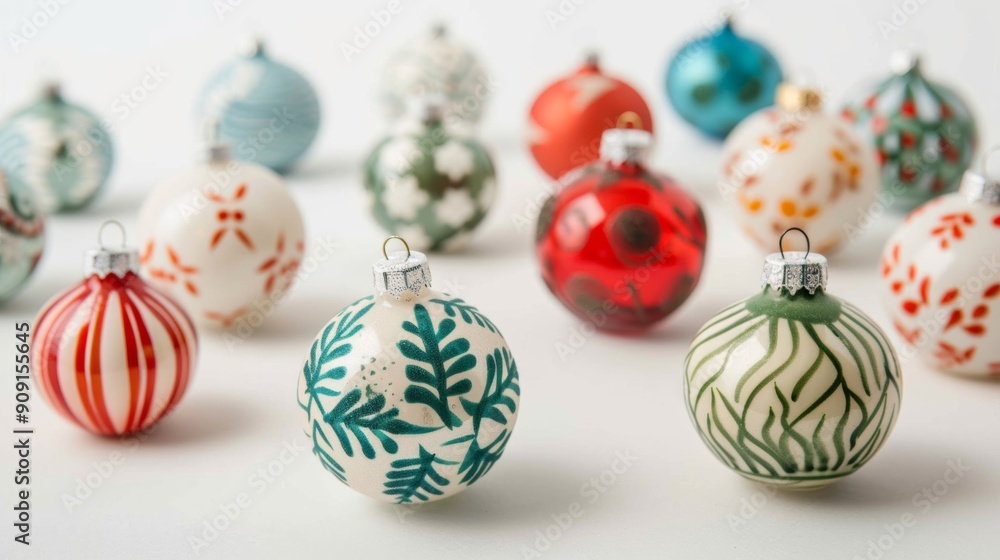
(940,279)
(792,165)
(22,235)
(620,245)
(793,386)
(923,132)
(569,116)
(409,395)
(435,64)
(267,111)
(428,182)
(714,82)
(61,150)
(112,353)
(225,238)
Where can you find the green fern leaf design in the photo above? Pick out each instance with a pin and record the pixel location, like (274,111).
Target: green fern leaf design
(496,397)
(369,418)
(436,376)
(495,393)
(479,460)
(328,347)
(457,307)
(416,478)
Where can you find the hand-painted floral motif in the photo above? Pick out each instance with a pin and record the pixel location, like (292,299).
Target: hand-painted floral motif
(222,250)
(801,169)
(429,184)
(924,134)
(941,279)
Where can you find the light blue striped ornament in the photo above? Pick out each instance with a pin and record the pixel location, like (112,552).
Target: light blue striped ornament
(267,111)
(60,150)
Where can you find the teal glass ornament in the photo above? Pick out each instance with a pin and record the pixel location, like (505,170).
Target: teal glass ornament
(22,235)
(714,82)
(267,111)
(61,151)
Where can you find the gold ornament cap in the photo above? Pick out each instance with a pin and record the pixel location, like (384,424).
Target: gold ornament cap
(795,97)
(795,270)
(401,272)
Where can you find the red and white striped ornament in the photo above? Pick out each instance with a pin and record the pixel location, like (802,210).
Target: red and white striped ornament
(111,353)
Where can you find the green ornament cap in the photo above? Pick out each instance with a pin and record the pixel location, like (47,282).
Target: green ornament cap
(625,145)
(795,270)
(979,187)
(117,261)
(401,271)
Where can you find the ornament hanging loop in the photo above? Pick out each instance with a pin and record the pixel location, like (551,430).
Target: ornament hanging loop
(984,164)
(100,233)
(629,119)
(401,240)
(781,249)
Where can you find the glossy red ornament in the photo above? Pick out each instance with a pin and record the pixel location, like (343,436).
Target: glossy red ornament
(568,117)
(621,246)
(111,353)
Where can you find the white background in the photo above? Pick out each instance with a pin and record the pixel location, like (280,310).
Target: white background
(611,396)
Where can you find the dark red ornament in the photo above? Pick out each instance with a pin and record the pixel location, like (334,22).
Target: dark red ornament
(568,117)
(621,246)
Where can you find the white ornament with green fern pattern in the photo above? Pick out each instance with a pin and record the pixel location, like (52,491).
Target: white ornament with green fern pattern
(409,395)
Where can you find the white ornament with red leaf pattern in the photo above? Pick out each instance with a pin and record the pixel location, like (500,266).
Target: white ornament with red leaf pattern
(942,281)
(225,238)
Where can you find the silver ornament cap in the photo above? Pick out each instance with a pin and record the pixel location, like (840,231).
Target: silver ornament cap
(981,187)
(625,145)
(795,270)
(117,261)
(401,272)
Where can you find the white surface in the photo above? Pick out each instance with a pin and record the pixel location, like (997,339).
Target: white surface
(611,396)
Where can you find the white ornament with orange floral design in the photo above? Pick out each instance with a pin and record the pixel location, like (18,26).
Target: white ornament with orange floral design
(941,278)
(792,165)
(224,238)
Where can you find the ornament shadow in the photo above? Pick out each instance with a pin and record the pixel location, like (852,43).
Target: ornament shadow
(201,419)
(323,166)
(518,495)
(896,477)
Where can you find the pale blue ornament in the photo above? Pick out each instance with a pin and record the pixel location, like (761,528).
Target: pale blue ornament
(58,149)
(267,111)
(714,82)
(22,239)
